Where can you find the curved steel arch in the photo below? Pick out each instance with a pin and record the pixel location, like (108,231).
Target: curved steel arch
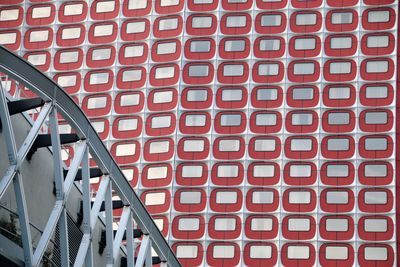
(26,74)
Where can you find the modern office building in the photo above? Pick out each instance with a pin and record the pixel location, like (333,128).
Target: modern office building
(256,132)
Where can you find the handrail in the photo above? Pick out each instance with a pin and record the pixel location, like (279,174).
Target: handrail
(25,73)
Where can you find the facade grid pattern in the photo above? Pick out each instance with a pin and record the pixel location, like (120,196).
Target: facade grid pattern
(256,132)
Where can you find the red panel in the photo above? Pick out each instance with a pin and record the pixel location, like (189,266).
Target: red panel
(200,55)
(196,104)
(135,12)
(301,128)
(100,87)
(164,81)
(342,3)
(223,207)
(235,30)
(375,235)
(301,154)
(300,180)
(216,262)
(13,46)
(377,76)
(162,106)
(381,101)
(376,127)
(166,57)
(263,181)
(128,159)
(156,183)
(127,134)
(196,261)
(198,79)
(261,4)
(336,262)
(237,154)
(188,234)
(298,235)
(121,108)
(224,234)
(231,104)
(73,88)
(45,21)
(104,134)
(378,51)
(338,153)
(234,78)
(386,179)
(272,103)
(302,77)
(386,25)
(92,62)
(102,39)
(159,33)
(157,208)
(109,15)
(382,263)
(270,29)
(234,129)
(336,235)
(340,77)
(7,24)
(73,41)
(264,154)
(190,207)
(223,53)
(243,5)
(195,129)
(131,84)
(227,181)
(341,52)
(299,207)
(75,17)
(375,208)
(200,7)
(66,66)
(134,59)
(46,65)
(302,103)
(305,53)
(262,207)
(341,102)
(306,4)
(168,9)
(193,155)
(345,27)
(272,78)
(305,28)
(378,153)
(148,156)
(259,53)
(337,180)
(337,207)
(338,128)
(286,261)
(265,129)
(204,31)
(191,181)
(132,35)
(249,261)
(260,234)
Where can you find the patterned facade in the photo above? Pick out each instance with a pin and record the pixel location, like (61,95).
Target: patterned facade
(257,132)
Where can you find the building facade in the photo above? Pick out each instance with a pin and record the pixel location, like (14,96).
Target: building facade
(257,132)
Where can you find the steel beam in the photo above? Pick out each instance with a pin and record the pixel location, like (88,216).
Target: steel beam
(18,184)
(123,222)
(109,226)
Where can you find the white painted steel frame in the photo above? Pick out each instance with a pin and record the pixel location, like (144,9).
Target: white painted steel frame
(59,101)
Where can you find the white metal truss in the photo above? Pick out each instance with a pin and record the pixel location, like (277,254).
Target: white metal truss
(58,102)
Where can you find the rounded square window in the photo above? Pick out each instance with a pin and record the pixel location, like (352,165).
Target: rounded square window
(376,94)
(304,46)
(300,173)
(129,102)
(227,173)
(298,253)
(196,97)
(304,71)
(133,53)
(226,200)
(338,121)
(189,253)
(298,227)
(269,47)
(337,200)
(260,254)
(262,122)
(188,227)
(377,44)
(235,23)
(135,30)
(193,148)
(126,152)
(305,21)
(341,45)
(262,200)
(266,97)
(201,24)
(263,173)
(200,48)
(264,147)
(343,20)
(261,227)
(156,201)
(337,173)
(190,200)
(127,127)
(270,22)
(301,147)
(375,200)
(191,173)
(375,146)
(157,175)
(228,148)
(223,253)
(339,95)
(375,254)
(375,173)
(159,149)
(336,227)
(224,227)
(377,69)
(299,200)
(301,121)
(378,18)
